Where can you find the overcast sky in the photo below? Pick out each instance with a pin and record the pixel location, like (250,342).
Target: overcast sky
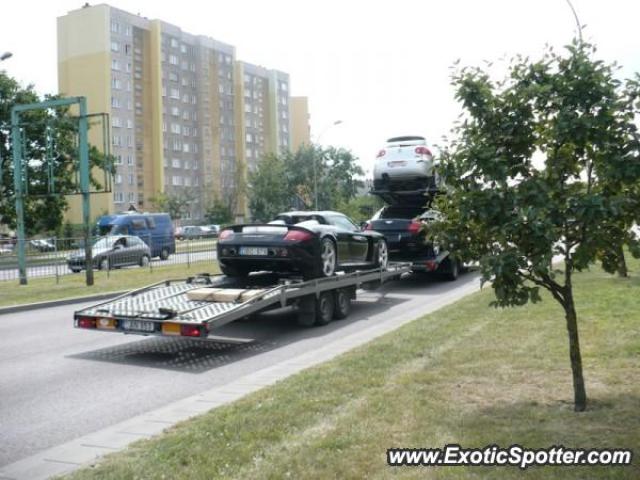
(382,67)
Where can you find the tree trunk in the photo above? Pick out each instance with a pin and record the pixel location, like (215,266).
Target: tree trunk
(622,263)
(579,392)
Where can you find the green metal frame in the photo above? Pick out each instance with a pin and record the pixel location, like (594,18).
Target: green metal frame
(20,175)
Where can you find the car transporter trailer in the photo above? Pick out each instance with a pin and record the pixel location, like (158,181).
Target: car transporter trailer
(195,306)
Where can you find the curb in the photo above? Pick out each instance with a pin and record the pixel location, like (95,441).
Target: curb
(57,303)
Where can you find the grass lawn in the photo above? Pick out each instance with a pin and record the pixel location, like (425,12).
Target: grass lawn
(468,374)
(43,289)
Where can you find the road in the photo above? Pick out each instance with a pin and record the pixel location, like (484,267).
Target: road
(58,383)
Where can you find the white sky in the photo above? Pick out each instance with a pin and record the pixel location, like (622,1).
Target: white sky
(382,67)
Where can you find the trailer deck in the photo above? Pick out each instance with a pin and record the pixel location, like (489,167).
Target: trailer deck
(194,306)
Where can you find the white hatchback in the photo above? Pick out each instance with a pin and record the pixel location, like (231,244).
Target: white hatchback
(404,163)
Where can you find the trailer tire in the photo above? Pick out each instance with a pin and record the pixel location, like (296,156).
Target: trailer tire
(452,269)
(306,315)
(342,304)
(325,307)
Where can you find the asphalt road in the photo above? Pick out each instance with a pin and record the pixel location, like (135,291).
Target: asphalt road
(58,383)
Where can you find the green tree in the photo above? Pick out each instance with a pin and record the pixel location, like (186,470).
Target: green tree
(270,191)
(544,163)
(177,205)
(43,209)
(219,213)
(282,182)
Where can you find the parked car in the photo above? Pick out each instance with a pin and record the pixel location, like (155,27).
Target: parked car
(191,232)
(113,252)
(215,229)
(313,244)
(43,245)
(404,228)
(155,229)
(405,163)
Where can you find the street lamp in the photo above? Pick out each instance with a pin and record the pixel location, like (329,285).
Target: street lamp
(5,55)
(315,175)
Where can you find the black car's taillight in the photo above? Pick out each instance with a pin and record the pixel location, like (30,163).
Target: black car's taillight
(298,236)
(414,227)
(226,235)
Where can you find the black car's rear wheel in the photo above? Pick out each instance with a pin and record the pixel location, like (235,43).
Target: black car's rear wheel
(381,254)
(328,258)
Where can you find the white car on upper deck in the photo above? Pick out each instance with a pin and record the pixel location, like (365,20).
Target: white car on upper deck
(405,163)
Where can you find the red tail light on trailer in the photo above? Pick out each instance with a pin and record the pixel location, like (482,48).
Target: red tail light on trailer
(368,226)
(191,331)
(298,236)
(86,322)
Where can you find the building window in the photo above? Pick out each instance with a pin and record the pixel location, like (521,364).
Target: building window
(173,59)
(187,181)
(183,48)
(175,128)
(177,145)
(175,111)
(173,76)
(132,197)
(115,64)
(185,147)
(118,179)
(177,180)
(128,67)
(175,163)
(174,43)
(131,178)
(127,30)
(115,122)
(175,93)
(118,197)
(115,47)
(116,83)
(116,140)
(118,160)
(115,26)
(129,159)
(185,115)
(129,123)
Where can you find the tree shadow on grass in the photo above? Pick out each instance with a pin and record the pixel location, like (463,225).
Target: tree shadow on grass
(610,422)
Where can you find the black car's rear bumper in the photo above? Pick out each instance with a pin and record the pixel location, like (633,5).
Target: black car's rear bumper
(302,258)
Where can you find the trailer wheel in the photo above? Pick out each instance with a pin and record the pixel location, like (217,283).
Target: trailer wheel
(452,269)
(325,306)
(306,311)
(343,304)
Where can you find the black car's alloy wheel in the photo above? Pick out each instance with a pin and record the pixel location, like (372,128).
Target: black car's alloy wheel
(382,254)
(328,257)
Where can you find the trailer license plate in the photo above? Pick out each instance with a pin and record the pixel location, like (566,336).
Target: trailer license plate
(254,251)
(138,326)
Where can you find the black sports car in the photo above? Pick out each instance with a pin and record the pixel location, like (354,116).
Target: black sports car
(314,244)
